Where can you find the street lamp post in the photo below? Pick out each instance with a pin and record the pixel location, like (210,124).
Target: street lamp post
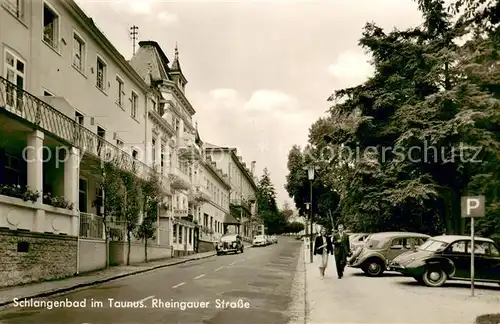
(310,176)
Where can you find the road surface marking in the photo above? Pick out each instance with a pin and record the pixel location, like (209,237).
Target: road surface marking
(219,268)
(176,286)
(232,263)
(200,276)
(144,299)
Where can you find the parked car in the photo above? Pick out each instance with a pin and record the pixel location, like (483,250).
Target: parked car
(229,243)
(269,240)
(381,248)
(274,239)
(447,257)
(259,240)
(358,240)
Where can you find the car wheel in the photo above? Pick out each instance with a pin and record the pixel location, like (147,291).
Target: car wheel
(218,253)
(374,268)
(434,277)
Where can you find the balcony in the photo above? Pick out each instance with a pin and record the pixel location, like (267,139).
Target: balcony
(180,212)
(31,110)
(239,202)
(178,179)
(252,198)
(188,149)
(200,194)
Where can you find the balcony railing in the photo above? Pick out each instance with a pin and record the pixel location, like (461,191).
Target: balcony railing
(25,106)
(188,149)
(179,179)
(239,202)
(91,226)
(200,193)
(180,212)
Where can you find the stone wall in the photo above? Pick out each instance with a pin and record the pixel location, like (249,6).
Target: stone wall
(27,257)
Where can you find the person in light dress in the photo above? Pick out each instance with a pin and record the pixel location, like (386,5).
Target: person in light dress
(323,246)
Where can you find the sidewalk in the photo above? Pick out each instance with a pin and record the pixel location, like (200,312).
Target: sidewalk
(389,299)
(48,288)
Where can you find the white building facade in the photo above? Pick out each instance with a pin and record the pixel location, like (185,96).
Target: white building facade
(214,212)
(242,200)
(180,153)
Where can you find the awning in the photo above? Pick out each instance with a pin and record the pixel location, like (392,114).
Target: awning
(230,220)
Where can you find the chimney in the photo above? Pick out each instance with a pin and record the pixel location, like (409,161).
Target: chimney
(252,170)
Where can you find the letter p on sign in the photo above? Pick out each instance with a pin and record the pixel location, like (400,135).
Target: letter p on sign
(473,206)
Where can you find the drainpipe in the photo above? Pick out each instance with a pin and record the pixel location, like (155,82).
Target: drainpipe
(78,245)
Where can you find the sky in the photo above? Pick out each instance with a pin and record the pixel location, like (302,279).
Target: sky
(259,72)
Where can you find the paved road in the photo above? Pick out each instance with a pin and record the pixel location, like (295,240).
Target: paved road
(260,277)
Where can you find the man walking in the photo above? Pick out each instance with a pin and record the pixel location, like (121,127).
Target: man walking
(341,250)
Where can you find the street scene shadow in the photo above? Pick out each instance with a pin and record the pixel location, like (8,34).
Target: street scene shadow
(384,275)
(454,284)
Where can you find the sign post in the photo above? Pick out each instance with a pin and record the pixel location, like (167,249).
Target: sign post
(472,207)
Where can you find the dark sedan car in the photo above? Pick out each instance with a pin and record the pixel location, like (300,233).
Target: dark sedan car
(448,257)
(229,243)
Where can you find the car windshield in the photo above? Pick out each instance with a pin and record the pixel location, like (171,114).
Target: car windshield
(433,246)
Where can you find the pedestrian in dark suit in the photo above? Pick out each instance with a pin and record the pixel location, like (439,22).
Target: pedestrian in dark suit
(323,246)
(342,250)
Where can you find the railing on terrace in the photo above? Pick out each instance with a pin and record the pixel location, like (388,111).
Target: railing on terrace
(91,226)
(34,110)
(240,202)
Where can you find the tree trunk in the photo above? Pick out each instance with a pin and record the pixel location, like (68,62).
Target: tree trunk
(106,242)
(146,250)
(129,245)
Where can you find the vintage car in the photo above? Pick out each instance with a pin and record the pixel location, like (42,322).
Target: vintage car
(448,257)
(229,243)
(259,240)
(274,239)
(381,248)
(357,240)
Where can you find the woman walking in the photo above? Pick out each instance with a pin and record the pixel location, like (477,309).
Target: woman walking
(323,246)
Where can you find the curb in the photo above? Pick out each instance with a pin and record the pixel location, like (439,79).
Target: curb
(100,281)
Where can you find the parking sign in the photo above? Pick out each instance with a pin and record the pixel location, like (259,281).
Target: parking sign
(472,206)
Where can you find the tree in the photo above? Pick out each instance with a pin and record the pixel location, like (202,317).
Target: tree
(294,227)
(266,203)
(152,199)
(113,190)
(325,200)
(287,211)
(426,92)
(132,203)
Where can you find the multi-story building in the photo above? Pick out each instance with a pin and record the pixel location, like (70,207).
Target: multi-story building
(182,152)
(242,200)
(214,212)
(68,101)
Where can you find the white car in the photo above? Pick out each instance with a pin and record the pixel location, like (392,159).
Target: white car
(259,240)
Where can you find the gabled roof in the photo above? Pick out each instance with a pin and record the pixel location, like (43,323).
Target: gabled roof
(151,61)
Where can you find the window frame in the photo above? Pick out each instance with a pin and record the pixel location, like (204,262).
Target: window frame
(18,100)
(120,101)
(105,73)
(14,9)
(134,110)
(83,60)
(57,30)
